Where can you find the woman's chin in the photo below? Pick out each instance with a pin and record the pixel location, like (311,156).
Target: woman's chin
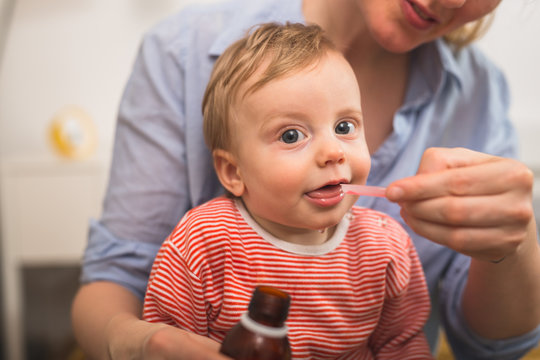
(396,42)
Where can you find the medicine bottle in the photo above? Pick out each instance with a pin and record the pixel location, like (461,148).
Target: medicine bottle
(261,333)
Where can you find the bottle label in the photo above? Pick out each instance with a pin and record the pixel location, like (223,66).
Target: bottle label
(261,329)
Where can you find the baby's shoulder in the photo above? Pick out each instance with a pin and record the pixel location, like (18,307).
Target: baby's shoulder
(378,225)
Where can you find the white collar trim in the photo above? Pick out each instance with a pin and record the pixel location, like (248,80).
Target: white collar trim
(307,250)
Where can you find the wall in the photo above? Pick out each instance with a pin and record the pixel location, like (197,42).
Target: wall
(6,7)
(513,44)
(56,53)
(63,52)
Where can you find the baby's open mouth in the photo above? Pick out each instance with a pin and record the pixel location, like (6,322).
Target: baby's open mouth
(326,192)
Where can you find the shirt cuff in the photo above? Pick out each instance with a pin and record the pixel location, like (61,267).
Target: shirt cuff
(108,258)
(465,343)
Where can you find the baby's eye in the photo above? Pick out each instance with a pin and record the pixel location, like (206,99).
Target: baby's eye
(291,136)
(344,127)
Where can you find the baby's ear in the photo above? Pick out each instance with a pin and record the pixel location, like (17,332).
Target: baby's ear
(228,172)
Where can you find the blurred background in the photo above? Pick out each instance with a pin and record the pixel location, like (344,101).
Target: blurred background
(63,66)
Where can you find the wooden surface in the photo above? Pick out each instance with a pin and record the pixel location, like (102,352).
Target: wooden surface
(446,354)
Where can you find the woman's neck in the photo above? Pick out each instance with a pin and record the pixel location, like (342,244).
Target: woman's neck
(343,23)
(382,75)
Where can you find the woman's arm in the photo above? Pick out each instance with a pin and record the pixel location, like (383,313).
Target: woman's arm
(107,325)
(481,206)
(93,310)
(509,289)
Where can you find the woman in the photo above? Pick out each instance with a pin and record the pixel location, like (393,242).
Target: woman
(468,210)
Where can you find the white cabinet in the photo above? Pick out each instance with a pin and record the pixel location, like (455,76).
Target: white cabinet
(46,207)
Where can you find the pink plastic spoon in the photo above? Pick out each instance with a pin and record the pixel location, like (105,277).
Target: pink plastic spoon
(364,190)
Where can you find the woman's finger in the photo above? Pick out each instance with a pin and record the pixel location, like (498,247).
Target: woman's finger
(439,159)
(472,211)
(489,244)
(490,178)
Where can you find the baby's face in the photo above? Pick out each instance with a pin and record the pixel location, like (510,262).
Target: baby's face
(295,140)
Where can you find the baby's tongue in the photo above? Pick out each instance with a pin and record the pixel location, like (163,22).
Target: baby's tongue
(325,192)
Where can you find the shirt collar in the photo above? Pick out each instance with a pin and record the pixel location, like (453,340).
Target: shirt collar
(257,12)
(448,58)
(433,66)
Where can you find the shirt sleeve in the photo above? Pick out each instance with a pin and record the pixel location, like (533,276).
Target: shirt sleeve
(465,343)
(175,295)
(148,187)
(399,334)
(498,137)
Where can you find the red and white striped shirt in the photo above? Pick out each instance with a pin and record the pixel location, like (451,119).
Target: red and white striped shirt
(360,295)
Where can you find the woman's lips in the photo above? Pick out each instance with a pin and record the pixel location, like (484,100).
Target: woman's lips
(329,195)
(420,12)
(417,16)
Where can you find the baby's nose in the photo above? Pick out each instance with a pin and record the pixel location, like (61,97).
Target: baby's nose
(331,152)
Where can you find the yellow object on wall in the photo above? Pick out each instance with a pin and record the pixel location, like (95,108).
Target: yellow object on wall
(73,133)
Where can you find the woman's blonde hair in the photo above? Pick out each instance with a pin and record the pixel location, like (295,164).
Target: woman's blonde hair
(466,34)
(283,48)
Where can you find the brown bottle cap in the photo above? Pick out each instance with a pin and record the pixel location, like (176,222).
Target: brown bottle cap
(269,305)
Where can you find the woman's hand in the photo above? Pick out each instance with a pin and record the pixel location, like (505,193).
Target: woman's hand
(172,343)
(481,206)
(107,325)
(157,341)
(477,204)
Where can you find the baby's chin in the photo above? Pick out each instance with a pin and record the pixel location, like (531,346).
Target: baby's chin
(329,221)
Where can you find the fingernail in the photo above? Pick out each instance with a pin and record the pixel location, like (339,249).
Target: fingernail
(395,193)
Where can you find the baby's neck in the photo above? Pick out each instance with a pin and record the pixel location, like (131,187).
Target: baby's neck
(297,236)
(308,237)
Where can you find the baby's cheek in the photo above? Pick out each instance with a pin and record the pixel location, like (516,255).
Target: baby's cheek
(361,166)
(291,178)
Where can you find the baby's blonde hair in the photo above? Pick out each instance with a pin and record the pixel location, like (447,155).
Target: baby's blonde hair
(283,48)
(286,48)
